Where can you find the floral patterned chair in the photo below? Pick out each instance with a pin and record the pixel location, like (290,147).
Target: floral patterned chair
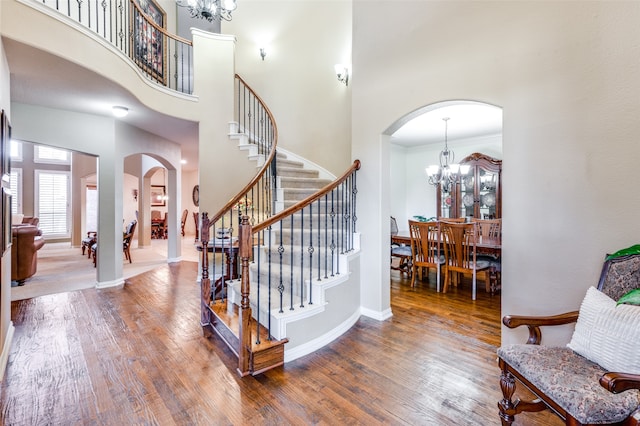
(596,377)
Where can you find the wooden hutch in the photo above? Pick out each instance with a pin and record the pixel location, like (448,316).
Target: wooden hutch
(476,194)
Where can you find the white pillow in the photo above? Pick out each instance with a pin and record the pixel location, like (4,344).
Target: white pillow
(607,334)
(16,218)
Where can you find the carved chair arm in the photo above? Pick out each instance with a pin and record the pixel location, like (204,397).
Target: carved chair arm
(535,322)
(620,382)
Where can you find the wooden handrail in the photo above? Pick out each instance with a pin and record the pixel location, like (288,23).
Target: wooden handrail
(232,202)
(310,199)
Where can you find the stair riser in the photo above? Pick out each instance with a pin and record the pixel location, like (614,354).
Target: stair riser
(295,239)
(283,162)
(299,194)
(293,172)
(287,183)
(325,255)
(322,205)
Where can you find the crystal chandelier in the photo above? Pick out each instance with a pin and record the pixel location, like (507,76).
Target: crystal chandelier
(209,9)
(447,172)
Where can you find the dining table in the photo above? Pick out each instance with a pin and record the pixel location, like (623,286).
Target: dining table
(484,246)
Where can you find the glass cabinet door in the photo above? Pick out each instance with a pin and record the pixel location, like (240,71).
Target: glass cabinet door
(488,193)
(467,194)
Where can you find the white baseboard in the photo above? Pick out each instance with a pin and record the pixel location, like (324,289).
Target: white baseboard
(108,284)
(325,339)
(4,357)
(377,315)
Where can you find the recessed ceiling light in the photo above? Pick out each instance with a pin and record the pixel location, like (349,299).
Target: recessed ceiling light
(120,111)
(183,161)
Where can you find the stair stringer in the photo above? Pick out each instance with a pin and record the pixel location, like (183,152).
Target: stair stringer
(327,318)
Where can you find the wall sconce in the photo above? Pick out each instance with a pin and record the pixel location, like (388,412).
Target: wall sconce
(134,192)
(263,52)
(342,72)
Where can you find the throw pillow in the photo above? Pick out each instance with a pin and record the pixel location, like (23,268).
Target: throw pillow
(607,334)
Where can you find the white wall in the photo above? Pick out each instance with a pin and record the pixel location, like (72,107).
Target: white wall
(304,40)
(6,326)
(567,77)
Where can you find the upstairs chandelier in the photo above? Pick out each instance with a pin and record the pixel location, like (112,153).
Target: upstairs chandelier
(448,171)
(209,9)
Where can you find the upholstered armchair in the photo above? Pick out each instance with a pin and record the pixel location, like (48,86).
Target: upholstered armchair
(26,241)
(596,377)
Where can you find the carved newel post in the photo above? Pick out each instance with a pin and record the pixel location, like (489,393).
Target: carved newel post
(205,282)
(245,307)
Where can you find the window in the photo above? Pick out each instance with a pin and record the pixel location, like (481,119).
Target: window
(49,155)
(16,190)
(52,202)
(15,150)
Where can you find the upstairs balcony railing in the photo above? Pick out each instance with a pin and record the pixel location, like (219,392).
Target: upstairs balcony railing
(138,29)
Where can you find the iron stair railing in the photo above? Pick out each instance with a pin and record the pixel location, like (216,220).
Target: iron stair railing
(137,29)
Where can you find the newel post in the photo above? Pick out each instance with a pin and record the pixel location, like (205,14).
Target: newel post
(205,282)
(244,337)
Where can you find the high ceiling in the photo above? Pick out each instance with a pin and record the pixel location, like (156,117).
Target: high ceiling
(466,120)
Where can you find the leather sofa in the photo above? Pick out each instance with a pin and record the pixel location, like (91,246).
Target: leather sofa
(26,241)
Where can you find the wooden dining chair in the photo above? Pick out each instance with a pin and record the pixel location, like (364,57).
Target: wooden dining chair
(183,221)
(195,219)
(163,227)
(127,239)
(452,219)
(425,248)
(399,252)
(489,228)
(459,241)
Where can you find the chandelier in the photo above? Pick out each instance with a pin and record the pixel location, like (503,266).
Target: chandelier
(209,9)
(448,171)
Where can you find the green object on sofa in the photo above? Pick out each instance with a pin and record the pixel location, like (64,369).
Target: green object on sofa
(631,298)
(635,249)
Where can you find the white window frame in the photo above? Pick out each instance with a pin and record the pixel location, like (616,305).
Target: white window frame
(16,190)
(39,158)
(67,232)
(18,147)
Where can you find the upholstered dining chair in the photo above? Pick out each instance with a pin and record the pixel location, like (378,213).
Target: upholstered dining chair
(490,229)
(89,241)
(459,241)
(402,252)
(425,246)
(127,238)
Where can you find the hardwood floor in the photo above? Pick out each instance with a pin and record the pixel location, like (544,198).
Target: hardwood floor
(136,355)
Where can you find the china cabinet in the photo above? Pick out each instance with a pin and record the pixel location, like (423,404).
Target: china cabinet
(475,194)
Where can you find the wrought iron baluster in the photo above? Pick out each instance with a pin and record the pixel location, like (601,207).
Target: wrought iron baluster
(291,261)
(269,286)
(281,282)
(302,258)
(319,256)
(333,233)
(310,249)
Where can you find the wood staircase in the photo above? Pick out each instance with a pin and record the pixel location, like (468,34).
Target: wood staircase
(223,315)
